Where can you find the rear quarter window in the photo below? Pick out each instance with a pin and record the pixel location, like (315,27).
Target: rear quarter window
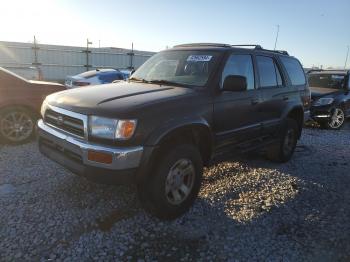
(295,71)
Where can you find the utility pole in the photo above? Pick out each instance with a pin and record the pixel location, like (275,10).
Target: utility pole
(278,30)
(36,63)
(87,51)
(131,54)
(35,52)
(346,59)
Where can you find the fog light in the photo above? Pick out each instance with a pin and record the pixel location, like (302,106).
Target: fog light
(100,157)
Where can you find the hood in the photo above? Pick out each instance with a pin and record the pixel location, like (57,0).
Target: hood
(317,92)
(44,83)
(115,98)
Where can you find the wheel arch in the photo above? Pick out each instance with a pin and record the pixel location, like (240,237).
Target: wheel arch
(25,107)
(297,113)
(195,132)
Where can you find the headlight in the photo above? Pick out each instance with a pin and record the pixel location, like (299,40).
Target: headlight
(43,108)
(324,101)
(108,128)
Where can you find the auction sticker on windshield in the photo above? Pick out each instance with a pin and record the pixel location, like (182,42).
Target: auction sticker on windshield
(199,58)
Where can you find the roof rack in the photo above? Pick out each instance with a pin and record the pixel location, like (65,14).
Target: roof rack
(203,44)
(255,47)
(259,47)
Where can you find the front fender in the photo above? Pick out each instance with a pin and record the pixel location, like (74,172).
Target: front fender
(162,131)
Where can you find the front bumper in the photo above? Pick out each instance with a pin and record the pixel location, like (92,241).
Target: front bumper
(72,153)
(321,113)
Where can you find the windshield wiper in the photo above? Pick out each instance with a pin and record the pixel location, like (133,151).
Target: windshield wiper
(156,81)
(164,82)
(138,79)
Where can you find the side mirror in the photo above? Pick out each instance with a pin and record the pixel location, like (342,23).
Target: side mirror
(235,83)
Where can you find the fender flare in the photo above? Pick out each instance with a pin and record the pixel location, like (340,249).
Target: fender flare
(160,133)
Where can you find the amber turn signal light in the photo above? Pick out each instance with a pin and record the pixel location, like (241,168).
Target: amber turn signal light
(100,157)
(125,129)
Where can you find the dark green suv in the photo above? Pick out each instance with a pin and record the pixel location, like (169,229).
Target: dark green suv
(179,109)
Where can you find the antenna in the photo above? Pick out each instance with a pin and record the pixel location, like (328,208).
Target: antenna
(346,59)
(278,30)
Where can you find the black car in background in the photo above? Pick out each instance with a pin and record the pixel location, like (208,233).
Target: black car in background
(330,97)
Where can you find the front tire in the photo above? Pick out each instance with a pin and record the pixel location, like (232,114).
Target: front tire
(283,150)
(17,125)
(173,187)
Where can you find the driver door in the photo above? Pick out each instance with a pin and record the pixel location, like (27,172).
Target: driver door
(236,116)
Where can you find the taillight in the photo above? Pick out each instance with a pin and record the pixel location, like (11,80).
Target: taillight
(77,83)
(306,98)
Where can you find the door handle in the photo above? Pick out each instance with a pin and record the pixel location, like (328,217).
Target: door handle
(285,98)
(255,101)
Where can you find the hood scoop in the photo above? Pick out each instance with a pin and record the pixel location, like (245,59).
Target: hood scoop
(133,94)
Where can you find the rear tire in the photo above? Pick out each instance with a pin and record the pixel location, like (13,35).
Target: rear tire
(174,185)
(17,125)
(283,150)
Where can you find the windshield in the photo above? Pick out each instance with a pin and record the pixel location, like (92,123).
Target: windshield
(334,81)
(189,68)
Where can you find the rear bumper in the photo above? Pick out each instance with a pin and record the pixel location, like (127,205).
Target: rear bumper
(72,153)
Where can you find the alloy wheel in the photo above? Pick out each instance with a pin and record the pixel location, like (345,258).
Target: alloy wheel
(179,181)
(16,126)
(337,119)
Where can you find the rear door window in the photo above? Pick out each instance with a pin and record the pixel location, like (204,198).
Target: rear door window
(294,69)
(269,74)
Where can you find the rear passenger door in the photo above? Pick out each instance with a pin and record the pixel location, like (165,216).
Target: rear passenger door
(276,92)
(235,113)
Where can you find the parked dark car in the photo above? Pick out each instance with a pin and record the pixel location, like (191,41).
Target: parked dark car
(95,77)
(178,110)
(330,97)
(20,102)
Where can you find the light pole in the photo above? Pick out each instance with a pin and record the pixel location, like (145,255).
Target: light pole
(87,54)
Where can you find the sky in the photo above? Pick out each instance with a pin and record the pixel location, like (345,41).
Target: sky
(316,32)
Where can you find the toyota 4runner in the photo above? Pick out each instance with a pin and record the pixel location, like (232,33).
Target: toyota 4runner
(178,110)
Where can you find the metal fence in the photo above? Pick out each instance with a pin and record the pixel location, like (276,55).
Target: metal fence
(54,62)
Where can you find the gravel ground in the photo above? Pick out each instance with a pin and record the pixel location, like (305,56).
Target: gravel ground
(248,210)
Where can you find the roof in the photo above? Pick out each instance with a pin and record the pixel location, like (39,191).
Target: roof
(229,46)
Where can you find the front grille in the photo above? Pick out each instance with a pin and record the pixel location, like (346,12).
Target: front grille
(64,122)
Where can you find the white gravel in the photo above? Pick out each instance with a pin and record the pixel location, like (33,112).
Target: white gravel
(249,209)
